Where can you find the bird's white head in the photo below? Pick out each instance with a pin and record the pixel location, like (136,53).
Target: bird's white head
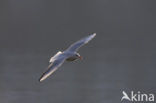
(78,56)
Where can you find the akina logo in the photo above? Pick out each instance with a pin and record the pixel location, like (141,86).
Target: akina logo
(137,96)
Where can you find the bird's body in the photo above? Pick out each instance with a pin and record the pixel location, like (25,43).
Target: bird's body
(71,55)
(68,55)
(70,59)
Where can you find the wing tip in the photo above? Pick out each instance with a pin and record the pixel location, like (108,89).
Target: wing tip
(93,35)
(40,79)
(43,77)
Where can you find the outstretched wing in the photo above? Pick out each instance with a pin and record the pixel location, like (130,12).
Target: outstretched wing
(52,68)
(52,59)
(74,47)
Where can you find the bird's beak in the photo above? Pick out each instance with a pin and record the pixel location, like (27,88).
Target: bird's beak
(80,57)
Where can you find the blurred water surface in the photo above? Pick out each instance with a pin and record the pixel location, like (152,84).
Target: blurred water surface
(121,57)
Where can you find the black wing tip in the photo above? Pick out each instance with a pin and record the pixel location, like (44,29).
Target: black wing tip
(40,79)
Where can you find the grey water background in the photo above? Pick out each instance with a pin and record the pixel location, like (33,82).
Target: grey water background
(121,57)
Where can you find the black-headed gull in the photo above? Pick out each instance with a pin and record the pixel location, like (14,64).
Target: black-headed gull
(69,55)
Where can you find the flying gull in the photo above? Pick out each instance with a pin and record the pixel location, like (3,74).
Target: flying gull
(70,54)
